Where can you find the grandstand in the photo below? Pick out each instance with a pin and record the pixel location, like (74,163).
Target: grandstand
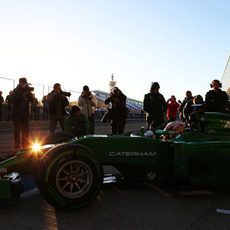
(133,105)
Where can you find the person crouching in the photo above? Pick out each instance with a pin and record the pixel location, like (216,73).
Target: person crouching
(76,123)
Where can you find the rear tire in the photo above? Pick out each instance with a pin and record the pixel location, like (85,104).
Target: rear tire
(69,177)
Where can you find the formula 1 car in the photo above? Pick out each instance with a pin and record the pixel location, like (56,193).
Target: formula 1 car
(70,174)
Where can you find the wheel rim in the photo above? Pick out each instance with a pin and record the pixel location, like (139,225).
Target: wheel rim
(74,179)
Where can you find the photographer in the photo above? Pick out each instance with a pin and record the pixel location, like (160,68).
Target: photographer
(118,110)
(88,103)
(21,98)
(57,101)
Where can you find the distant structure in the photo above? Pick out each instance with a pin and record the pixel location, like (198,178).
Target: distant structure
(112,83)
(226,77)
(134,106)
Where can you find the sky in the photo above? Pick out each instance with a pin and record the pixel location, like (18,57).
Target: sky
(182,44)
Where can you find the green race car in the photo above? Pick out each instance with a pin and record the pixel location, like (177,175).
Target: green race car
(70,174)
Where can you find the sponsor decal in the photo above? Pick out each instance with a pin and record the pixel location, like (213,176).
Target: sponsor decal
(132,154)
(3,171)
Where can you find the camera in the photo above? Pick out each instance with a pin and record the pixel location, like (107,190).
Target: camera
(66,94)
(86,94)
(29,88)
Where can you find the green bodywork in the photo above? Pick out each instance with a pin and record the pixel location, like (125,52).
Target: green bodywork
(199,156)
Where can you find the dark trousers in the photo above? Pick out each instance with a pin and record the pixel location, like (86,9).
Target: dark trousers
(21,132)
(91,125)
(155,122)
(9,107)
(54,121)
(118,123)
(45,113)
(34,113)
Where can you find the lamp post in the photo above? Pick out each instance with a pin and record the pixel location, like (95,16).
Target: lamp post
(112,83)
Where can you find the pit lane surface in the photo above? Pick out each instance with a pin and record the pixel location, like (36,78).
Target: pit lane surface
(120,206)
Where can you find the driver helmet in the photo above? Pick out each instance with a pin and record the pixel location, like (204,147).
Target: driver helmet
(176,126)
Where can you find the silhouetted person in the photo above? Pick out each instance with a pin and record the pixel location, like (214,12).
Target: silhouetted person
(155,105)
(118,110)
(9,101)
(76,123)
(22,97)
(172,108)
(34,109)
(45,108)
(88,102)
(198,108)
(186,108)
(57,101)
(216,100)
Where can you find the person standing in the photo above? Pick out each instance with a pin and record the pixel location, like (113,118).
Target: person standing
(186,108)
(172,108)
(45,108)
(88,102)
(155,106)
(1,101)
(9,101)
(57,101)
(118,110)
(34,113)
(21,98)
(216,100)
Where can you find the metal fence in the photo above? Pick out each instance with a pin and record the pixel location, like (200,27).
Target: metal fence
(40,115)
(40,90)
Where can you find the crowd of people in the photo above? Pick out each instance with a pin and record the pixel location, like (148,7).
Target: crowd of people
(22,105)
(160,112)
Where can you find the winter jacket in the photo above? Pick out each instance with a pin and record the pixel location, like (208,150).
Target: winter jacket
(57,103)
(88,105)
(119,109)
(21,99)
(172,109)
(154,104)
(216,101)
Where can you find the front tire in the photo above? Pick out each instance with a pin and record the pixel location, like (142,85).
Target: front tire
(69,177)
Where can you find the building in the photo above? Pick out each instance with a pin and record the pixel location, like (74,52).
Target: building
(226,77)
(133,105)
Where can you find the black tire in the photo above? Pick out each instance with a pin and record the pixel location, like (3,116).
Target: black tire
(57,137)
(69,177)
